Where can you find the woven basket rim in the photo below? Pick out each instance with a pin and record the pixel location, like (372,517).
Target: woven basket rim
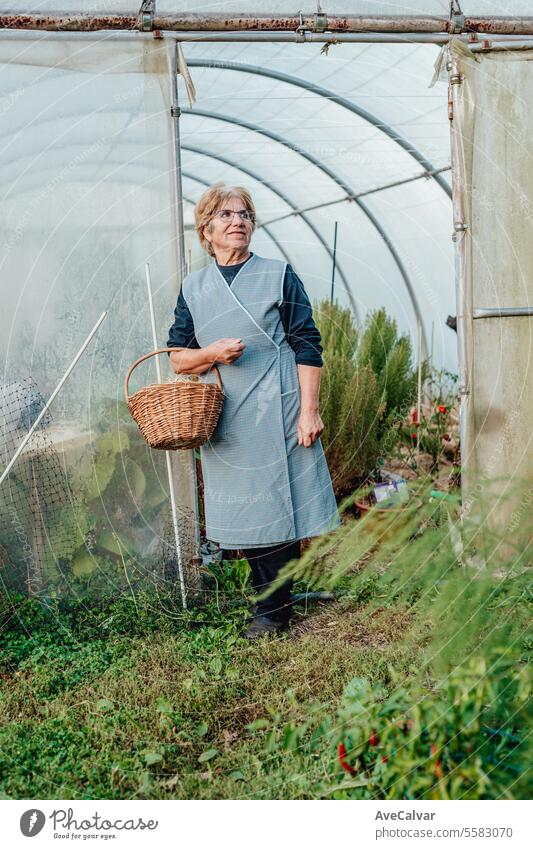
(189,386)
(131,369)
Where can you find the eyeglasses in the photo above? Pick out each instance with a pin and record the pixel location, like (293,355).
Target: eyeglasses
(227,214)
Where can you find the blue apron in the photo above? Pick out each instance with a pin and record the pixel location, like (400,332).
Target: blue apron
(260,486)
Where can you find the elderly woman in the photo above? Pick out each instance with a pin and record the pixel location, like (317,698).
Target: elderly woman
(266,480)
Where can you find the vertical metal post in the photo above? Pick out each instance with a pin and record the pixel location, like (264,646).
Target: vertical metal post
(462,287)
(334,259)
(175,112)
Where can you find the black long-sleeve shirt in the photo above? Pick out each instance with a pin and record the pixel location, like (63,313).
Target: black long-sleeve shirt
(295,311)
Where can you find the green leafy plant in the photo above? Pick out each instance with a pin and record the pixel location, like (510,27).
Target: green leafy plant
(463,739)
(390,357)
(367,388)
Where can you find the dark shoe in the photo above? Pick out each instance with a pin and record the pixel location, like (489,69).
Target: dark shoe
(260,626)
(254,611)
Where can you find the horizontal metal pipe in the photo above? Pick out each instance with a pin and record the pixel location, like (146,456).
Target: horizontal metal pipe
(470,39)
(320,38)
(502,312)
(346,37)
(268,23)
(349,198)
(501,42)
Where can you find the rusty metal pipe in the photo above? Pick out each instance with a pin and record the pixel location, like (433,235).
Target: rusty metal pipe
(310,23)
(496,25)
(64,21)
(264,22)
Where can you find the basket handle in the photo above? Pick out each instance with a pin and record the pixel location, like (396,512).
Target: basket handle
(162,351)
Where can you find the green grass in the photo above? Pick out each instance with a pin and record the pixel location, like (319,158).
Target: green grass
(132,698)
(162,707)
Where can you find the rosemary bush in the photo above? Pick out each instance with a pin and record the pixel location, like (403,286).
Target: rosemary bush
(368,386)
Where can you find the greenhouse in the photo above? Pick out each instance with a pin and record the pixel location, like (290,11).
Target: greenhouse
(387,151)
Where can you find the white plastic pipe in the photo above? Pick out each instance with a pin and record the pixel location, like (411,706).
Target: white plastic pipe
(167,453)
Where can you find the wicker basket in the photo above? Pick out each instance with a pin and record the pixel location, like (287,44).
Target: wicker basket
(175,415)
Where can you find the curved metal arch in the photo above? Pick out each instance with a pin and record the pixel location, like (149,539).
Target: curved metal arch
(327,93)
(286,200)
(204,113)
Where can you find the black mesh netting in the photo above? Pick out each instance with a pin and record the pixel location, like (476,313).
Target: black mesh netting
(80,508)
(37,522)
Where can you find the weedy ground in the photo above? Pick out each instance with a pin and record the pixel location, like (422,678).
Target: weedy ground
(132,698)
(134,702)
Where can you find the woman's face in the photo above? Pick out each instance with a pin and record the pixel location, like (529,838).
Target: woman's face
(229,233)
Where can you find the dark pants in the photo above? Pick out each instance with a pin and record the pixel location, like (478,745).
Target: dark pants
(265,564)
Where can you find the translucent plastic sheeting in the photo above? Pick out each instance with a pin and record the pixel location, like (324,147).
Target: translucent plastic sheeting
(86,175)
(495,127)
(301,150)
(352,7)
(87,185)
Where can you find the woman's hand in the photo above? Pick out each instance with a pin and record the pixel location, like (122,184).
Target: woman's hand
(225,351)
(310,426)
(200,360)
